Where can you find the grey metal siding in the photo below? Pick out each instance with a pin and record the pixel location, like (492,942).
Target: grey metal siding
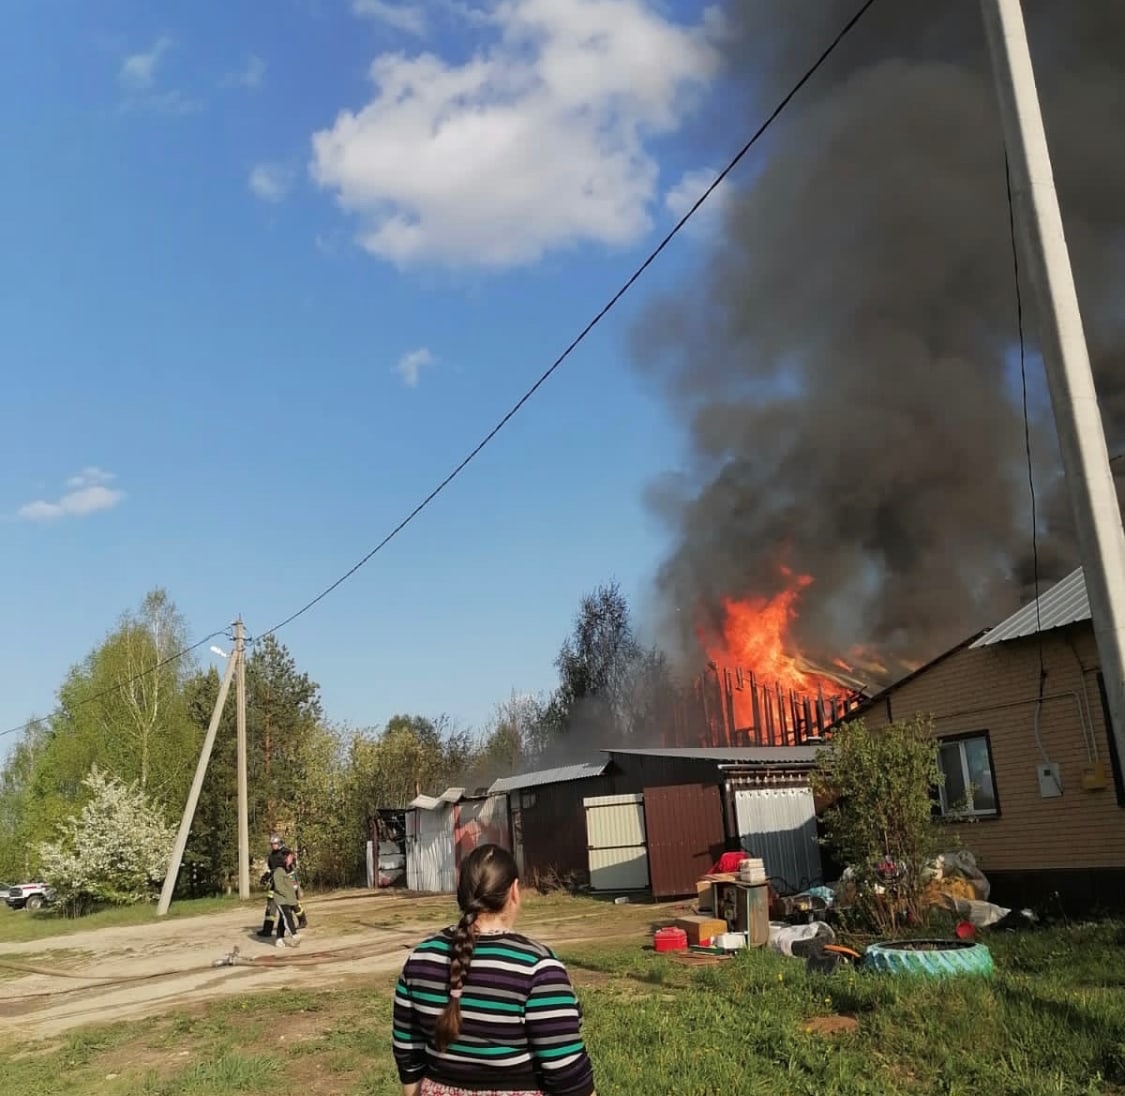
(779,825)
(1067,602)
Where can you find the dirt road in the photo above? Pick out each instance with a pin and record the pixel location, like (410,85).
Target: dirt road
(128,972)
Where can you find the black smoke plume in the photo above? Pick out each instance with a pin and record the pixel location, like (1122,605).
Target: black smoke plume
(843,364)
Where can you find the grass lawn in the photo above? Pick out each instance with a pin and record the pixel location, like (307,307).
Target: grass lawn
(1052,1020)
(21,925)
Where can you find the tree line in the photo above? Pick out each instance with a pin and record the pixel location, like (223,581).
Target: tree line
(131,717)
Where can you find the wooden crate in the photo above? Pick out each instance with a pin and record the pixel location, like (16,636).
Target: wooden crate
(700,930)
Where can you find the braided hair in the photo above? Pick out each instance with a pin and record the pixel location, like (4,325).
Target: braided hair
(487,875)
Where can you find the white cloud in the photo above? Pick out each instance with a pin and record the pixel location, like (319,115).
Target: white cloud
(537,142)
(89,476)
(173,103)
(250,76)
(138,70)
(270,182)
(404,17)
(684,194)
(137,77)
(87,493)
(409,367)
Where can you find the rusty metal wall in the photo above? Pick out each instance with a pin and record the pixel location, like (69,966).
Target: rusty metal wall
(684,827)
(480,822)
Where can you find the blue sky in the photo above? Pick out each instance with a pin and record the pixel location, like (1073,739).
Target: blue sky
(270,278)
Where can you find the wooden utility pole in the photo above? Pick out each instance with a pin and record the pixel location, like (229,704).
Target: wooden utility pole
(239,657)
(1085,458)
(193,796)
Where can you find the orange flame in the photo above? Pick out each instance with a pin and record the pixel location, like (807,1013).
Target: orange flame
(755,638)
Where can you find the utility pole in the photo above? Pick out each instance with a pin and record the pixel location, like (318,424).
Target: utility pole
(1085,457)
(193,796)
(243,796)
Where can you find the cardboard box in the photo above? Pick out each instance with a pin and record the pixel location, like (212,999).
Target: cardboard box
(700,930)
(703,894)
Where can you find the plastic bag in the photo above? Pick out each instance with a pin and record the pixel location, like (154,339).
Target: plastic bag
(963,865)
(806,937)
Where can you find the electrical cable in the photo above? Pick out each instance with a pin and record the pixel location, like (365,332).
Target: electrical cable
(518,405)
(1030,469)
(546,375)
(1026,414)
(118,686)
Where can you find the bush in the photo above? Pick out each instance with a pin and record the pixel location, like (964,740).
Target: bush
(881,785)
(114,851)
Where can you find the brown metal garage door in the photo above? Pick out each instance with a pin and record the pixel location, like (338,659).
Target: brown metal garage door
(684,830)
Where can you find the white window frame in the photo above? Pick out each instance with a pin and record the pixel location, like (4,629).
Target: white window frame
(967,811)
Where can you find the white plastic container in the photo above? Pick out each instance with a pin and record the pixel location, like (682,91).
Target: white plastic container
(730,941)
(752,870)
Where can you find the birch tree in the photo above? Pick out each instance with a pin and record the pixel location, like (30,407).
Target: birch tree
(124,708)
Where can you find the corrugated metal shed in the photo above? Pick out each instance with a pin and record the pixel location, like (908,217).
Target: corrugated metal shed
(560,775)
(430,863)
(734,755)
(1064,603)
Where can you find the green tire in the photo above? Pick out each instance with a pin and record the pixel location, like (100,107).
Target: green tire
(932,958)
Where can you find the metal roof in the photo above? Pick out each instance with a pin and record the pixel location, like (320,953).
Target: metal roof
(735,755)
(560,775)
(425,802)
(1064,603)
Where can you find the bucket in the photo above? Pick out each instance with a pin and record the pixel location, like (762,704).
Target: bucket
(669,939)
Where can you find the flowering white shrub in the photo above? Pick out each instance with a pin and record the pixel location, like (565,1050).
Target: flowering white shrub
(115,850)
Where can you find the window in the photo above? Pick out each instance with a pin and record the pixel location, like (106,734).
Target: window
(966,762)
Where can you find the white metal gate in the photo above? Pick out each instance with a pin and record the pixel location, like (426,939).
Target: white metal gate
(615,838)
(779,825)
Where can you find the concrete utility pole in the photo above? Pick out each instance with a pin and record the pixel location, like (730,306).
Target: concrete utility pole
(243,797)
(193,796)
(1063,342)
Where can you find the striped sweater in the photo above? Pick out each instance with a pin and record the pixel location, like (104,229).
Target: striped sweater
(520,1019)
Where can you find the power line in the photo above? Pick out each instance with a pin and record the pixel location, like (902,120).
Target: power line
(545,376)
(119,685)
(518,405)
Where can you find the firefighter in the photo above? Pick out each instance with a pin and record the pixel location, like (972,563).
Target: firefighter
(275,860)
(285,898)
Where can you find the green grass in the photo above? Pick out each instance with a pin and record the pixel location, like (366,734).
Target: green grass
(1051,1021)
(22,925)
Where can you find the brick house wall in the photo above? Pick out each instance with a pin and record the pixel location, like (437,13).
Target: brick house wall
(994,689)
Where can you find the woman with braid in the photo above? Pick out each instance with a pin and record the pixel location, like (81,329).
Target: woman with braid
(482,1009)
